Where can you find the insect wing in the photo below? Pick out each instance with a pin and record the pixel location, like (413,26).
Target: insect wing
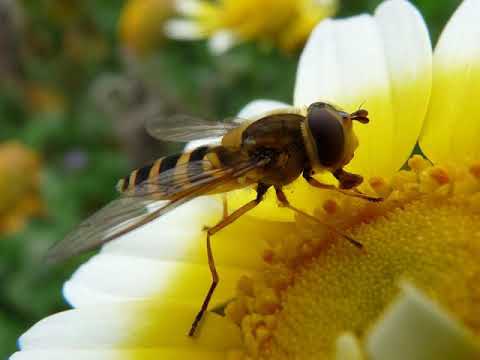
(135,209)
(132,208)
(114,217)
(172,181)
(185,128)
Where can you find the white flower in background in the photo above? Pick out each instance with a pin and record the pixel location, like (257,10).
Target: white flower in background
(299,294)
(283,23)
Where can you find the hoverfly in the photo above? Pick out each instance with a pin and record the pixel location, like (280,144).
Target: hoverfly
(270,151)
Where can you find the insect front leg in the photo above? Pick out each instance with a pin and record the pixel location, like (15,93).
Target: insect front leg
(261,190)
(347,180)
(353,193)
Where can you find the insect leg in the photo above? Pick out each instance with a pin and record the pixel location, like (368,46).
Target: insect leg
(225,205)
(353,193)
(284,202)
(347,180)
(261,190)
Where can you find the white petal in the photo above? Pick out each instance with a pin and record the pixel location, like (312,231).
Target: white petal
(356,61)
(144,354)
(129,325)
(459,40)
(126,278)
(415,328)
(256,108)
(173,235)
(408,53)
(183,30)
(318,76)
(222,41)
(78,295)
(179,236)
(452,129)
(187,7)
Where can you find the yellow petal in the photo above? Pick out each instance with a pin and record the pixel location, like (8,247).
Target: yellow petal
(169,328)
(452,128)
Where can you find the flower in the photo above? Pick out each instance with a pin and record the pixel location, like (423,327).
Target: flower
(284,23)
(299,292)
(19,186)
(43,99)
(140,24)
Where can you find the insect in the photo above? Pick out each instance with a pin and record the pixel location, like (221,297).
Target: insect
(270,151)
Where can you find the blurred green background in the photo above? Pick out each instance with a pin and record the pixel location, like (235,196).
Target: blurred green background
(74,86)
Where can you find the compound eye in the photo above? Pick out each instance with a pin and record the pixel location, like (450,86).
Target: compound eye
(327,132)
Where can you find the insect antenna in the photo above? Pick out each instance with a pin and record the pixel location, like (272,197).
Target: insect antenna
(360,115)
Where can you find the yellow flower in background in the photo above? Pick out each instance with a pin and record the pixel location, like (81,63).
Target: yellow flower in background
(141,24)
(293,290)
(310,13)
(282,23)
(19,186)
(43,98)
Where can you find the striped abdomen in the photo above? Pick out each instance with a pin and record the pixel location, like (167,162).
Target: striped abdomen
(186,165)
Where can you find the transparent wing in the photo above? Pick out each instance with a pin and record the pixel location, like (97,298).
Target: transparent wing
(114,217)
(134,210)
(186,128)
(180,178)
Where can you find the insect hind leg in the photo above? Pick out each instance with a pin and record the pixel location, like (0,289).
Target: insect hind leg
(261,190)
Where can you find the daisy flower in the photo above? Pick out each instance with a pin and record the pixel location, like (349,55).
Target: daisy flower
(285,23)
(289,289)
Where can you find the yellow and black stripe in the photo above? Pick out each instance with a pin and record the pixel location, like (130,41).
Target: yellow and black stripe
(152,171)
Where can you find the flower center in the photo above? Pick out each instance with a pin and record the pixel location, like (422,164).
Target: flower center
(315,287)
